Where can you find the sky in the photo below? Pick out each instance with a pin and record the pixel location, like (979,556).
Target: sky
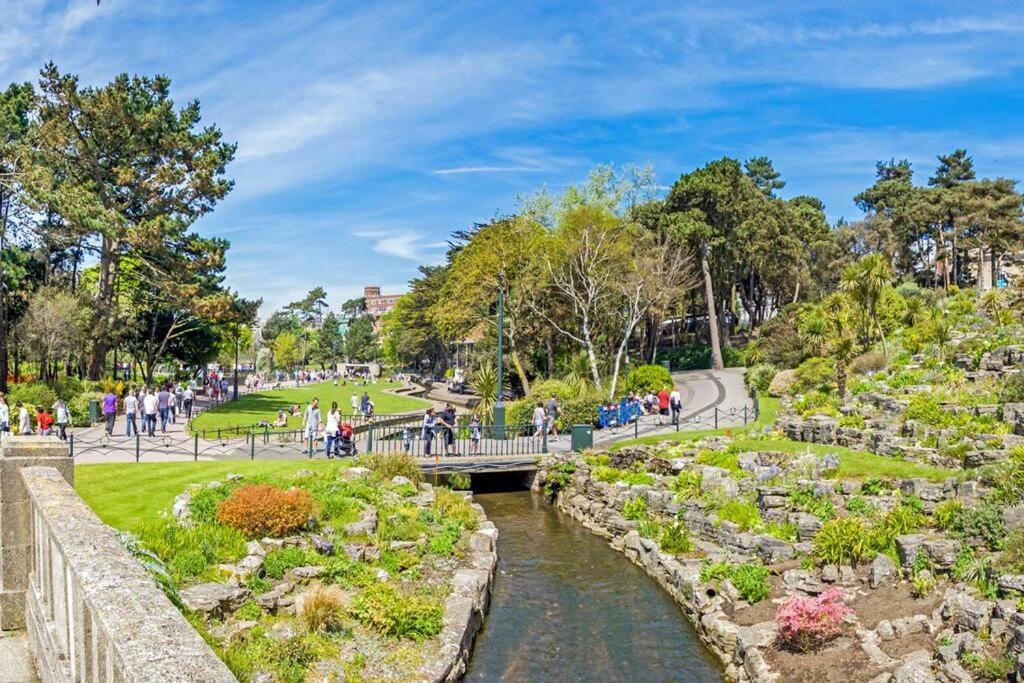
(368,132)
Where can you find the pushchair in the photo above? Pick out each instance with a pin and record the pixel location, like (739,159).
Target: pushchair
(346,441)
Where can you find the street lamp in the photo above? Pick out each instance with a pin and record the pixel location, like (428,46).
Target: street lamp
(236,362)
(499,403)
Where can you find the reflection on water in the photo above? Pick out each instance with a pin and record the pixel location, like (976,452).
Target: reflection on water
(566,607)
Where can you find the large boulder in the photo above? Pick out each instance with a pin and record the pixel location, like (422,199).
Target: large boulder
(908,546)
(883,571)
(782,383)
(214,599)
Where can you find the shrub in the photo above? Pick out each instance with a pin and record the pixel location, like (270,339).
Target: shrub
(261,509)
(203,503)
(383,608)
(444,541)
(386,466)
(859,507)
(815,374)
(806,500)
(460,482)
(648,528)
(1011,559)
(779,342)
(854,420)
(31,394)
(78,406)
(806,623)
(984,523)
(1011,389)
(868,362)
(817,402)
(841,541)
(578,411)
(644,378)
(687,357)
(714,571)
(611,475)
(740,512)
(277,562)
(945,513)
(727,459)
(760,377)
(786,531)
(922,584)
(675,539)
(751,581)
(454,507)
(872,486)
(322,609)
(635,509)
(189,551)
(687,485)
(544,389)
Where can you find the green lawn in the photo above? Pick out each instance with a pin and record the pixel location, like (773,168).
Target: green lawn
(768,406)
(124,494)
(263,405)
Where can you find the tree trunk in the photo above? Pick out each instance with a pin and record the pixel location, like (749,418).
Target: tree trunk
(841,380)
(102,307)
(4,208)
(709,293)
(591,356)
(551,357)
(984,270)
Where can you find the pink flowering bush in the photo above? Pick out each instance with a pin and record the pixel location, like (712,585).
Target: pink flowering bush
(807,623)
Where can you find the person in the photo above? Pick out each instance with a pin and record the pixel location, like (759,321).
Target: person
(110,410)
(364,403)
(63,417)
(539,417)
(370,406)
(224,388)
(179,391)
(163,401)
(311,420)
(24,421)
(355,403)
(5,414)
(553,410)
(474,435)
(406,439)
(44,421)
(675,403)
(149,407)
(332,427)
(188,397)
(429,421)
(448,419)
(663,405)
(131,410)
(282,419)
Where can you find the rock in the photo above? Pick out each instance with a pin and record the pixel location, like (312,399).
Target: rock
(971,613)
(830,573)
(807,525)
(1013,518)
(307,572)
(214,484)
(908,546)
(268,600)
(255,548)
(355,472)
(270,544)
(942,551)
(182,509)
(875,654)
(885,630)
(800,580)
(382,574)
(882,571)
(774,550)
(847,577)
(215,599)
(399,480)
(263,677)
(1012,583)
(781,383)
(366,525)
(250,564)
(232,476)
(321,544)
(955,673)
(282,631)
(916,668)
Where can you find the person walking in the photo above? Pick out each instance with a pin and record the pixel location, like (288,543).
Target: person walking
(5,414)
(311,420)
(364,404)
(553,410)
(355,404)
(163,402)
(448,420)
(176,403)
(539,418)
(44,421)
(149,407)
(474,435)
(332,427)
(24,420)
(663,405)
(188,397)
(675,403)
(110,411)
(131,412)
(429,422)
(63,417)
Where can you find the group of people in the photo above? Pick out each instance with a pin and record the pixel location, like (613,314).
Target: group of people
(337,433)
(46,422)
(443,425)
(143,408)
(666,403)
(545,416)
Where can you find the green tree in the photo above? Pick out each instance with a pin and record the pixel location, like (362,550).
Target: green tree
(329,343)
(361,340)
(764,175)
(865,281)
(287,352)
(122,165)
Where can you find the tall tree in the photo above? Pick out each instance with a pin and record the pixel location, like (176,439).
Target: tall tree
(764,175)
(127,170)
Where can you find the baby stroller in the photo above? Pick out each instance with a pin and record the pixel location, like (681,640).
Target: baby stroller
(346,442)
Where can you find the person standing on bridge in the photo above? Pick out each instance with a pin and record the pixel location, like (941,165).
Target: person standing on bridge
(332,427)
(448,419)
(675,402)
(474,435)
(109,410)
(553,410)
(539,418)
(429,421)
(663,405)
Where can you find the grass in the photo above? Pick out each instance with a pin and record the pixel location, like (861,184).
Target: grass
(126,494)
(768,409)
(263,405)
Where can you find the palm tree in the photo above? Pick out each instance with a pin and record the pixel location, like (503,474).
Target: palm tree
(993,304)
(578,376)
(485,384)
(865,281)
(813,330)
(940,331)
(840,341)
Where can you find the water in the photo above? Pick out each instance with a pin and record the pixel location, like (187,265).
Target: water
(566,607)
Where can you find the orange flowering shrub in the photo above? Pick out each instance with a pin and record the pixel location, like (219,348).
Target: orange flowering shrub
(264,510)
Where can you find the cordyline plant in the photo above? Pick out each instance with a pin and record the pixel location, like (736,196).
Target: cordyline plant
(806,623)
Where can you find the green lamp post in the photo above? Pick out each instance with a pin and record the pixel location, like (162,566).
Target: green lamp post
(499,403)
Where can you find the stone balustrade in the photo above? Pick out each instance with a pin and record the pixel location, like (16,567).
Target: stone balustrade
(91,611)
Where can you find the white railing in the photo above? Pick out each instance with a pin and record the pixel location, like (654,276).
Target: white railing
(92,611)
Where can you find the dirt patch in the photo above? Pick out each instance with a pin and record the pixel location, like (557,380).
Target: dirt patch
(901,647)
(893,603)
(841,662)
(764,610)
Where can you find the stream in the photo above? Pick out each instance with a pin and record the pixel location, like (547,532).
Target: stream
(566,607)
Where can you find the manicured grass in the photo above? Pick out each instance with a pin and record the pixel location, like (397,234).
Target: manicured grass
(124,494)
(263,405)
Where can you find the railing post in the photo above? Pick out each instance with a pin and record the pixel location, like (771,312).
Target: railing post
(195,447)
(744,416)
(636,427)
(71,445)
(677,422)
(137,445)
(544,438)
(716,417)
(310,447)
(369,437)
(252,446)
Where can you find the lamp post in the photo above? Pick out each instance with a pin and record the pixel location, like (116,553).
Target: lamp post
(236,362)
(499,403)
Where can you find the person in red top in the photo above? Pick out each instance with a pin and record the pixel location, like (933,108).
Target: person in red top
(662,405)
(44,421)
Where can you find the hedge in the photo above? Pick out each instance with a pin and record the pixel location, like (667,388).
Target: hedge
(644,378)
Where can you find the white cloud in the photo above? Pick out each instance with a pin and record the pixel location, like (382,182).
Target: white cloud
(404,244)
(464,170)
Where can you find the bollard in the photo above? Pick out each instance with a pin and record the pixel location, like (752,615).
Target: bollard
(369,438)
(716,417)
(310,447)
(138,444)
(195,447)
(72,445)
(636,427)
(252,447)
(544,439)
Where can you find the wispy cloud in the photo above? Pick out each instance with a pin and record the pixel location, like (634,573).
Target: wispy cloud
(404,244)
(464,170)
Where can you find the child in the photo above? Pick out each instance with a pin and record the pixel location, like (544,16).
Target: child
(44,421)
(24,421)
(406,440)
(474,435)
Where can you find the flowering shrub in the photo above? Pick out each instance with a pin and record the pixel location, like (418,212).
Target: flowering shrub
(262,509)
(806,623)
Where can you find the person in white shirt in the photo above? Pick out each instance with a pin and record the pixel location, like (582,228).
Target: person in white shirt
(311,420)
(188,399)
(355,403)
(539,417)
(5,415)
(332,427)
(149,406)
(131,410)
(24,421)
(675,402)
(63,417)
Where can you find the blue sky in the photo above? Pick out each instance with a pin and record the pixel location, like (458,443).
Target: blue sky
(368,132)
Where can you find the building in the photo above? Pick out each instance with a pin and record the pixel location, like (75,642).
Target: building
(378,304)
